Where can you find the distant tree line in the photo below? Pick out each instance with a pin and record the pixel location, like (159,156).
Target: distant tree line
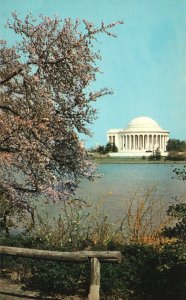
(176,145)
(176,149)
(105,149)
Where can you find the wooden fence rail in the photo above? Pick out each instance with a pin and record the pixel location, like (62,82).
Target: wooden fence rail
(94,257)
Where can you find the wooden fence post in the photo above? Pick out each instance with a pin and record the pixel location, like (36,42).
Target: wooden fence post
(95,257)
(95,279)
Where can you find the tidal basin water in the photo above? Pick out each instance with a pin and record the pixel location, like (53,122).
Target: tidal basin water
(119,182)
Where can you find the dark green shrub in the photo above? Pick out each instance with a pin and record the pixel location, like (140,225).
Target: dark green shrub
(114,148)
(176,156)
(135,277)
(178,230)
(173,269)
(146,272)
(109,147)
(156,155)
(54,277)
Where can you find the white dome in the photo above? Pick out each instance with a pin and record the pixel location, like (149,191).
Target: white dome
(143,124)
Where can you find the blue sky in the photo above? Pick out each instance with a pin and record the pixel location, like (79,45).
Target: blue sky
(145,66)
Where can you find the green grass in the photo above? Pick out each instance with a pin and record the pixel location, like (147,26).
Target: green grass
(131,160)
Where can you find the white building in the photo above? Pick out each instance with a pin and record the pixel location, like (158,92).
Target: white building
(142,137)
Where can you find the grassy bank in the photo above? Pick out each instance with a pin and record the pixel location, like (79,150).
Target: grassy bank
(132,160)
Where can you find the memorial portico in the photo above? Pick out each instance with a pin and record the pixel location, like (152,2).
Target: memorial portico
(141,137)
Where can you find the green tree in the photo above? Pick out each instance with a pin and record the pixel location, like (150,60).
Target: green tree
(156,155)
(100,149)
(114,148)
(109,147)
(176,145)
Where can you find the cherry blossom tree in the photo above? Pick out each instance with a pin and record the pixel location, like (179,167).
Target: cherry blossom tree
(45,105)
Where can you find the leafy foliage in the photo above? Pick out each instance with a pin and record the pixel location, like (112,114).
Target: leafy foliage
(176,145)
(109,147)
(146,272)
(156,155)
(151,264)
(180,173)
(178,230)
(9,211)
(176,156)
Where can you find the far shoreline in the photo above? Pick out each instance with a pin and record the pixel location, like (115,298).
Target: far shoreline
(133,160)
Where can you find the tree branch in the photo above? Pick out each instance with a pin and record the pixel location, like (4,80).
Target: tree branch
(11,76)
(5,107)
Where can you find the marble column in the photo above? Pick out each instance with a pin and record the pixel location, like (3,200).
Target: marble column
(148,135)
(121,142)
(129,142)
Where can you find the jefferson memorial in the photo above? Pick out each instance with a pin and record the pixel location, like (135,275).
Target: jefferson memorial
(142,137)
